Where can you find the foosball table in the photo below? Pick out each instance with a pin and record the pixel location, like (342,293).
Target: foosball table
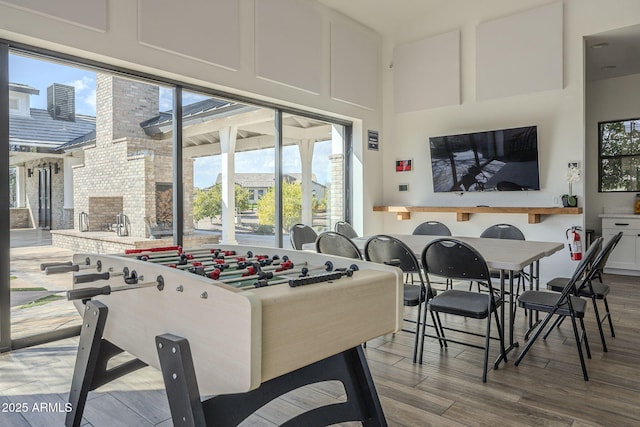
(244,325)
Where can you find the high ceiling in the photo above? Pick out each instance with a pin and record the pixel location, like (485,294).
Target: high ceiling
(618,55)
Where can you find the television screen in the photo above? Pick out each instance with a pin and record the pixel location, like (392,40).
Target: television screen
(498,160)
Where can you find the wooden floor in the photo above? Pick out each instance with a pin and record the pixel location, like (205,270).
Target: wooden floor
(546,389)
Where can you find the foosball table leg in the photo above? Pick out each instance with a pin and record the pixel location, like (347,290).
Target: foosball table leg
(180,381)
(94,353)
(349,367)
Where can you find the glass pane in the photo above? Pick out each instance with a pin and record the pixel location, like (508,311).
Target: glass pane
(231,148)
(92,175)
(313,173)
(51,107)
(620,138)
(621,174)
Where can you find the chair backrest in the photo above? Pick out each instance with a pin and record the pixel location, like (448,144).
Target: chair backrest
(601,259)
(333,243)
(454,259)
(579,273)
(389,250)
(300,234)
(503,231)
(433,228)
(346,229)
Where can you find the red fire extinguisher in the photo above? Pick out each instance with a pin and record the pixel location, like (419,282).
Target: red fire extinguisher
(575,247)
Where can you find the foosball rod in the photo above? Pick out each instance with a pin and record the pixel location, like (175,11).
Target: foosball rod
(66,267)
(304,270)
(88,293)
(225,273)
(183,264)
(200,254)
(308,280)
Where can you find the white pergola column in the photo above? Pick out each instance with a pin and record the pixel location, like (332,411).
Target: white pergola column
(67,167)
(305,147)
(21,187)
(337,187)
(228,148)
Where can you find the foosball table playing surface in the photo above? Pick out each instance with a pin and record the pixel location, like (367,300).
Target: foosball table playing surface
(249,314)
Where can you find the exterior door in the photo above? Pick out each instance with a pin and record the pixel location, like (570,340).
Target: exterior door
(44,198)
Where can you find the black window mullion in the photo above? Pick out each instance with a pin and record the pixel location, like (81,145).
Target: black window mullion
(5,305)
(178,179)
(278,177)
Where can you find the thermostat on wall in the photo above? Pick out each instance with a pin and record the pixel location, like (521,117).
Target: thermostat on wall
(403,187)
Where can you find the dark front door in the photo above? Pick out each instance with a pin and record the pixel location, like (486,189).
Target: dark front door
(44,197)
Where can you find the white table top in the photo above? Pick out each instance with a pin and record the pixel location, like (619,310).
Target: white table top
(502,254)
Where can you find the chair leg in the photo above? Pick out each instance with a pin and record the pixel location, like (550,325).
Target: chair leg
(418,333)
(599,322)
(538,330)
(585,338)
(486,349)
(608,314)
(579,344)
(501,336)
(556,323)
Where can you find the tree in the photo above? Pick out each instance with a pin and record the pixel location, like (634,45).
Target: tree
(291,206)
(207,203)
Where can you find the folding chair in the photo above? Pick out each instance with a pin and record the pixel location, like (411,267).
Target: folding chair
(391,251)
(333,243)
(565,304)
(453,259)
(299,234)
(591,289)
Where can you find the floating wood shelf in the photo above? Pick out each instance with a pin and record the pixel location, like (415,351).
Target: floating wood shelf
(463,213)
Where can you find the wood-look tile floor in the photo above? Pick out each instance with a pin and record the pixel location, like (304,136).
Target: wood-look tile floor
(446,390)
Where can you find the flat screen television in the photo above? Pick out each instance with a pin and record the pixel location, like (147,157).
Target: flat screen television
(497,160)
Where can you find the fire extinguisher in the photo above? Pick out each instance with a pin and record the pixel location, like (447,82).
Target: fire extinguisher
(575,247)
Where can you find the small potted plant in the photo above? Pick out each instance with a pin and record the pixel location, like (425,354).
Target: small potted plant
(572,175)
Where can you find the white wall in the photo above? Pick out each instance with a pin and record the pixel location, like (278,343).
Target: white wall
(121,33)
(559,115)
(609,99)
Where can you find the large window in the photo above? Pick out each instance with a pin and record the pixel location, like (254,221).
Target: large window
(619,143)
(92,167)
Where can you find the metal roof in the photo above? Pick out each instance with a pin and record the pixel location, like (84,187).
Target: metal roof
(40,130)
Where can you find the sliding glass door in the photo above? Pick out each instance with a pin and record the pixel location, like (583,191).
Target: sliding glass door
(99,161)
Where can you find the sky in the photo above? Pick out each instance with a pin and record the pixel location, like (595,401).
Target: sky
(42,74)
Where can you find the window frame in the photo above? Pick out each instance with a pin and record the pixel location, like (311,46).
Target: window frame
(8,47)
(602,157)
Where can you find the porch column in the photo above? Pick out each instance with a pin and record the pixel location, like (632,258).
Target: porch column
(337,184)
(305,147)
(227,149)
(21,187)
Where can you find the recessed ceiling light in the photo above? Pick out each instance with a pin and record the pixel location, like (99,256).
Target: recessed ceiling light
(608,67)
(599,45)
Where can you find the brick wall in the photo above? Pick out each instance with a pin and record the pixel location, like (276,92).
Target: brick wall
(19,218)
(336,189)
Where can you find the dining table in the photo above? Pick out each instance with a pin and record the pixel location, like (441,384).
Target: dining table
(505,255)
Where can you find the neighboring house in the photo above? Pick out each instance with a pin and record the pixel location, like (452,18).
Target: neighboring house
(35,137)
(73,171)
(259,183)
(67,167)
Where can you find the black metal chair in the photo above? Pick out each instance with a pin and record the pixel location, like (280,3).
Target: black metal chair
(453,259)
(434,228)
(299,234)
(391,251)
(333,243)
(591,289)
(504,231)
(564,304)
(345,228)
